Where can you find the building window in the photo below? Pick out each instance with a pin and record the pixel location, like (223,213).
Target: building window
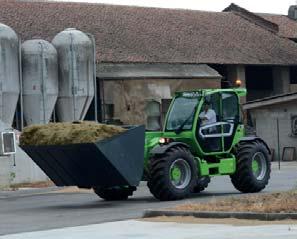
(153,115)
(156,114)
(165,103)
(294,125)
(293,75)
(109,111)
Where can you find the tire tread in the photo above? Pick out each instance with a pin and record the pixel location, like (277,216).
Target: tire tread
(243,179)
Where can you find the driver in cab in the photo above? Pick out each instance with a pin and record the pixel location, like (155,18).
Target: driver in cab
(208,115)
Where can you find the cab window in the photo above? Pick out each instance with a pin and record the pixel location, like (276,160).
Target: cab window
(230,107)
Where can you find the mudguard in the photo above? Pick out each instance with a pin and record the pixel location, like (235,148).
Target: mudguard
(253,138)
(161,149)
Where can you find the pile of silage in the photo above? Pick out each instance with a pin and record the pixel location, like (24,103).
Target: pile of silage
(68,133)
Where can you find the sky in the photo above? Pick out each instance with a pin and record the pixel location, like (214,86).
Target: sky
(265,6)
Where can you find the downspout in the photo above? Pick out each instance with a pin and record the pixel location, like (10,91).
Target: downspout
(73,88)
(21,85)
(43,90)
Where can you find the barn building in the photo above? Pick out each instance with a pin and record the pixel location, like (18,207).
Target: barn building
(144,55)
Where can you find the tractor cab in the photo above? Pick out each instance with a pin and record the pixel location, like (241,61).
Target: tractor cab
(212,116)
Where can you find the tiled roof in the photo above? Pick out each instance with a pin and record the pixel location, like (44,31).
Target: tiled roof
(287,26)
(138,34)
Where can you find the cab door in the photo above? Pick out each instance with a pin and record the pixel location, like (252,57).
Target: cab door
(218,136)
(209,135)
(230,116)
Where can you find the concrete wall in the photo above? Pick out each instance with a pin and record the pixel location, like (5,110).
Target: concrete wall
(26,170)
(266,125)
(19,168)
(130,96)
(281,79)
(5,171)
(293,87)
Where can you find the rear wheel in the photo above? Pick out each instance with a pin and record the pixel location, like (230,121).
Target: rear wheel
(253,167)
(173,175)
(202,184)
(115,193)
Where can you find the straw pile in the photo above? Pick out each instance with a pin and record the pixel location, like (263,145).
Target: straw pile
(68,133)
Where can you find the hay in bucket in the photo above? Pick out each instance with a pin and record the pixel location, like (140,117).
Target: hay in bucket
(68,133)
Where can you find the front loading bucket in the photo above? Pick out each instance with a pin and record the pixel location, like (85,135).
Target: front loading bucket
(116,161)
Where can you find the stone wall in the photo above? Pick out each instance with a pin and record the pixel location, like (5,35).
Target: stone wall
(129,97)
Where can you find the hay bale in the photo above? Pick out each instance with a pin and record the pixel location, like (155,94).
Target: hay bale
(68,133)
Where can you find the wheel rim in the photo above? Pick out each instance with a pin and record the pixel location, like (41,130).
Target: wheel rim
(180,173)
(259,166)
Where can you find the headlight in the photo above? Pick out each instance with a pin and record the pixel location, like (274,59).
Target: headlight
(165,140)
(162,141)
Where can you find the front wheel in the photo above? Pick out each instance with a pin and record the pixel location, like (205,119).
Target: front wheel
(173,175)
(253,167)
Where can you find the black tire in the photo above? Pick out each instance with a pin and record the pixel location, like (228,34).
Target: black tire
(114,194)
(201,184)
(245,179)
(160,174)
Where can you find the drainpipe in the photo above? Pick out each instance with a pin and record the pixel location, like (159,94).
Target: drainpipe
(21,85)
(73,88)
(43,88)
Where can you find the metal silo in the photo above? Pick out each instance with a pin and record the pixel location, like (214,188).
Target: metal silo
(9,73)
(40,80)
(76,74)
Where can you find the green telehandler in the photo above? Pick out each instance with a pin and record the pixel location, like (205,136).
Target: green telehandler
(177,161)
(187,153)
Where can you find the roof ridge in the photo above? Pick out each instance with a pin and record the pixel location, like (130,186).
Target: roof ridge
(252,17)
(270,14)
(107,4)
(274,15)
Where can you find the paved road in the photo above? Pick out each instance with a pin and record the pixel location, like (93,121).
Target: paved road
(26,211)
(164,230)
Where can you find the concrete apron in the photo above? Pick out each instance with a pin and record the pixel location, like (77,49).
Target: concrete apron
(163,230)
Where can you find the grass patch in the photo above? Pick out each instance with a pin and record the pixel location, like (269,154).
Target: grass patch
(230,221)
(263,203)
(68,133)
